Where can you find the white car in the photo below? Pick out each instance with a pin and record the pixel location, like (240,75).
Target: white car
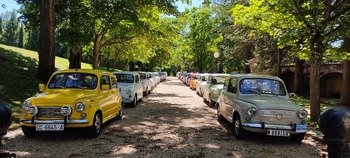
(130,87)
(152,79)
(202,81)
(212,90)
(146,83)
(261,104)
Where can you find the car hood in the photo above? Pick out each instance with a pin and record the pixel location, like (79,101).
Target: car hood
(126,86)
(270,102)
(217,86)
(62,96)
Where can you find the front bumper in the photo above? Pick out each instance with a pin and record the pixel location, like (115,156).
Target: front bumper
(262,127)
(80,121)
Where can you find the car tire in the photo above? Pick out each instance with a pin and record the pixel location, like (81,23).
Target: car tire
(146,93)
(121,112)
(297,138)
(238,130)
(96,127)
(218,114)
(134,102)
(29,131)
(211,103)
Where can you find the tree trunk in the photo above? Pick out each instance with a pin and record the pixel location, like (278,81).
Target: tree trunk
(96,52)
(299,76)
(315,88)
(47,39)
(345,92)
(75,56)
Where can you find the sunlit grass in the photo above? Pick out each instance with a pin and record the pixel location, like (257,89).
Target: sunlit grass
(18,79)
(325,104)
(60,63)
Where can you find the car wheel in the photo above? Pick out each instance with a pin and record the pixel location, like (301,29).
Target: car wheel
(211,102)
(134,102)
(297,138)
(146,92)
(238,130)
(218,113)
(29,131)
(95,129)
(121,112)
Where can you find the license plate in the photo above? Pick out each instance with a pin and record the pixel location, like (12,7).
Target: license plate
(301,128)
(49,127)
(281,133)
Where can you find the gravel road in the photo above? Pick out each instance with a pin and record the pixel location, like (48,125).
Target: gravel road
(171,122)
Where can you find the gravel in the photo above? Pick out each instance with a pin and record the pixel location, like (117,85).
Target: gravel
(171,122)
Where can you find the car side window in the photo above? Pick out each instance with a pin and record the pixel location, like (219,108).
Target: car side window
(105,81)
(231,87)
(137,78)
(114,83)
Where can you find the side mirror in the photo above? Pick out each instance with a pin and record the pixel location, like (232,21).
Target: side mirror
(41,87)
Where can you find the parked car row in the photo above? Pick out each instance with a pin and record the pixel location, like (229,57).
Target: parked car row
(82,98)
(252,103)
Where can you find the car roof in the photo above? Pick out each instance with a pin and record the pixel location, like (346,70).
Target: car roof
(241,76)
(127,72)
(92,71)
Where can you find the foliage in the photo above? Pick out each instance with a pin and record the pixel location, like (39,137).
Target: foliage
(10,35)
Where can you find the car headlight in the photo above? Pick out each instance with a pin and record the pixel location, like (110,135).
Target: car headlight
(128,92)
(251,111)
(302,113)
(79,106)
(66,110)
(26,104)
(33,110)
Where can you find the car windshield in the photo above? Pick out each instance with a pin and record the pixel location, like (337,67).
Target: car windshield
(125,78)
(73,80)
(218,80)
(262,86)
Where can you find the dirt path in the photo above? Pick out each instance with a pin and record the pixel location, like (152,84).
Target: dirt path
(171,122)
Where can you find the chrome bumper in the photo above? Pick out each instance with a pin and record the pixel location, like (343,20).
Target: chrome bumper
(268,126)
(82,121)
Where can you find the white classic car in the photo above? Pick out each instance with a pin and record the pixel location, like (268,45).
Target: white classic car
(202,81)
(260,103)
(146,83)
(211,91)
(130,87)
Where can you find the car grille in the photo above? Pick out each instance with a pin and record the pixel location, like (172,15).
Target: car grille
(50,112)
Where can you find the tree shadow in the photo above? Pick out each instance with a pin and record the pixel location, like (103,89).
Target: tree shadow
(18,80)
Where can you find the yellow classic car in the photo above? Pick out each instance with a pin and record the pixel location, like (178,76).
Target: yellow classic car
(73,98)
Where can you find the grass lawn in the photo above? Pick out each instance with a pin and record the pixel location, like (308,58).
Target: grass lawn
(18,79)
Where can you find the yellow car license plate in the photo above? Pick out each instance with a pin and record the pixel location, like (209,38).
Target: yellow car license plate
(49,127)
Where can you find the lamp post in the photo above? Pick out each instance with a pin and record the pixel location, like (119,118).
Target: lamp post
(216,56)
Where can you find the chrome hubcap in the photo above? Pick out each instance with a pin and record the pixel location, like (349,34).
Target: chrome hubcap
(97,123)
(237,123)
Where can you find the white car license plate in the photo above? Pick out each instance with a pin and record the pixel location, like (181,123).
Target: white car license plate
(281,133)
(49,127)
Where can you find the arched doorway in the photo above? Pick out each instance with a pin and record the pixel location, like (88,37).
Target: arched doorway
(288,79)
(331,84)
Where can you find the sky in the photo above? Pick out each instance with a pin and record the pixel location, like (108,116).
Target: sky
(9,5)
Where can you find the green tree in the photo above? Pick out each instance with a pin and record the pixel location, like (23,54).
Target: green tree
(315,22)
(10,36)
(33,39)
(21,37)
